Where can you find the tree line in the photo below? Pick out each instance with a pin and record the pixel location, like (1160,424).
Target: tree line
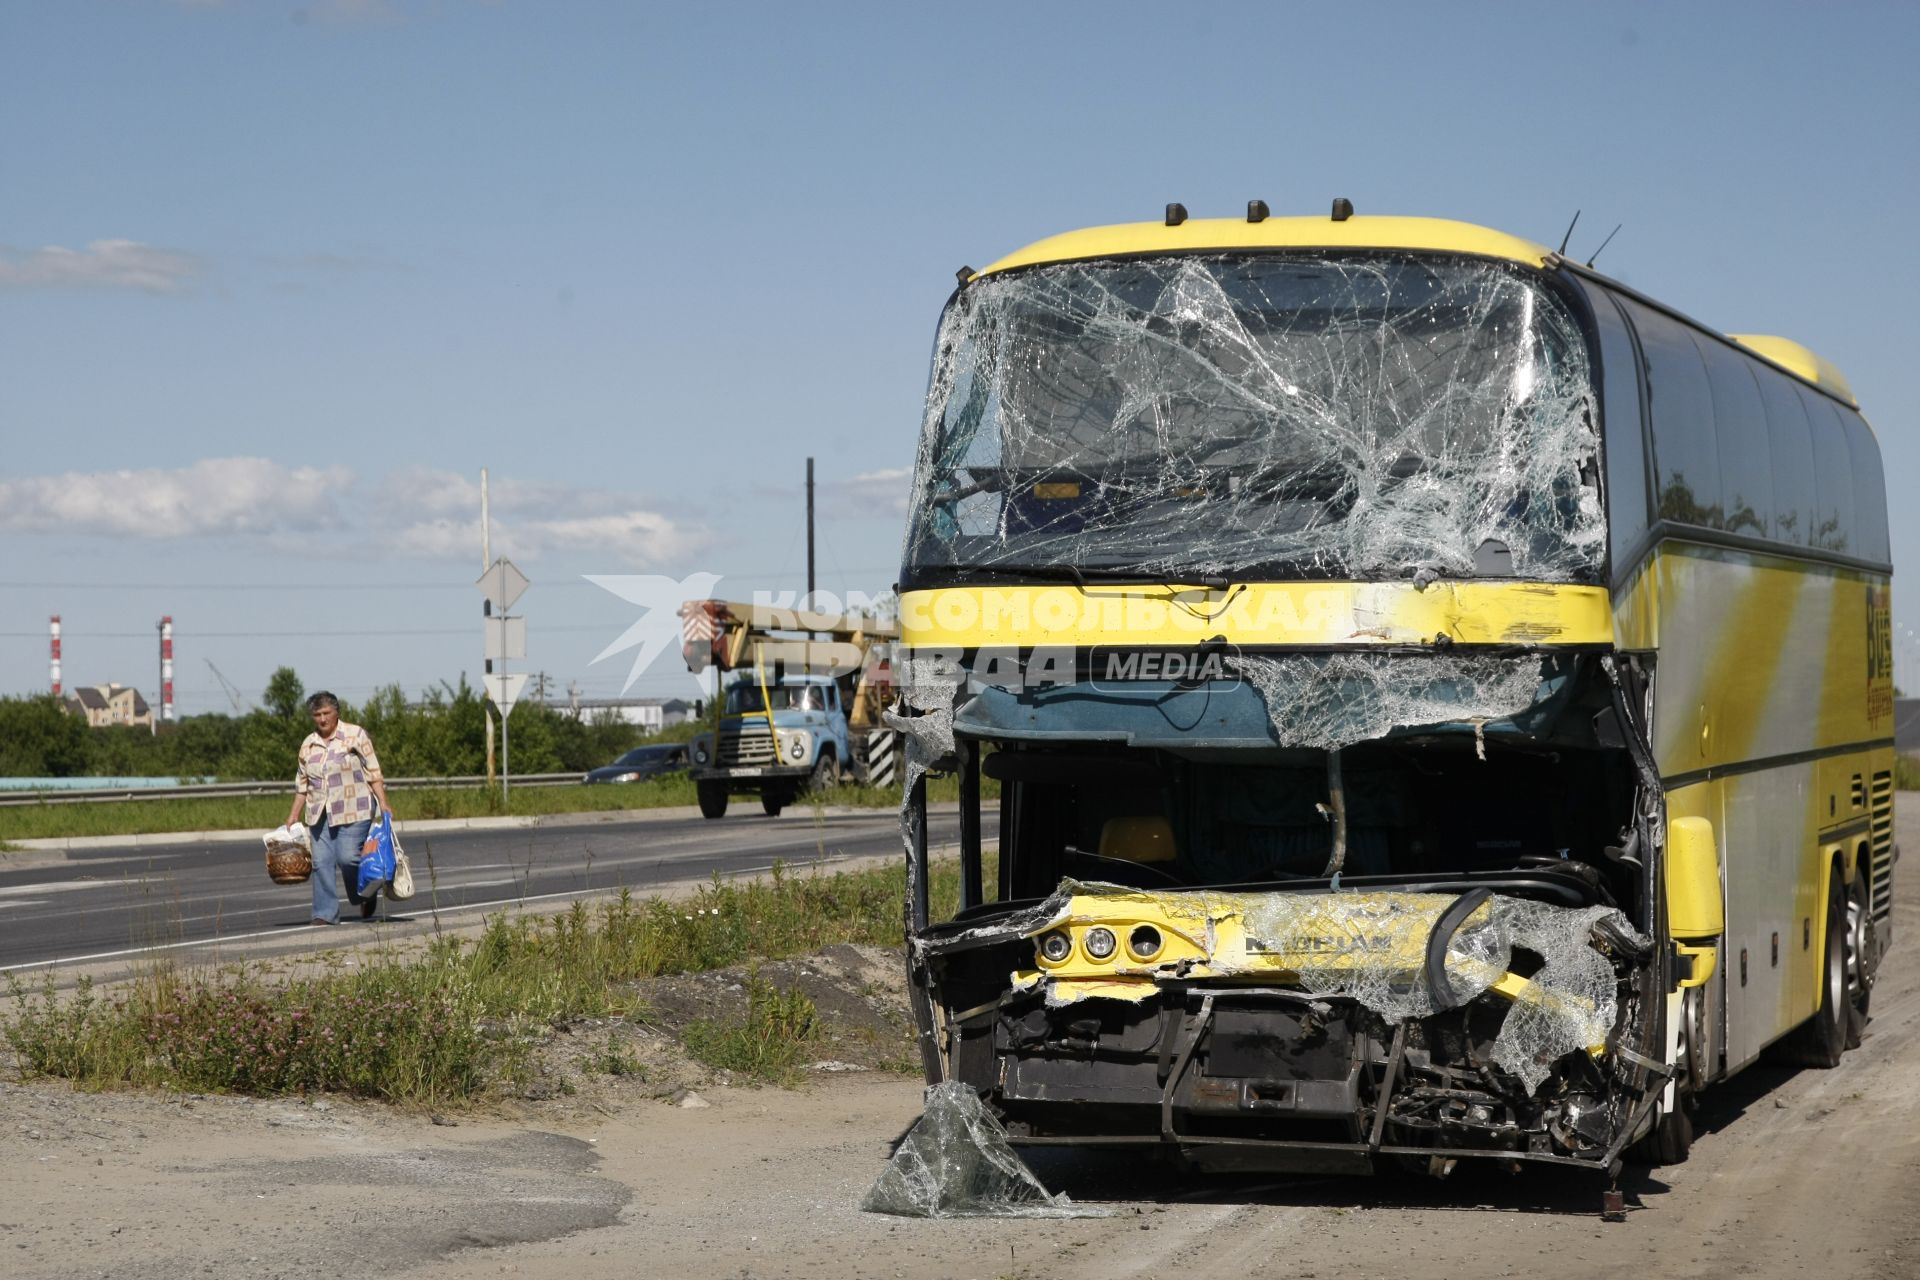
(440,734)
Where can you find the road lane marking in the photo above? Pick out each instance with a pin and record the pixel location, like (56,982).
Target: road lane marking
(51,886)
(293,930)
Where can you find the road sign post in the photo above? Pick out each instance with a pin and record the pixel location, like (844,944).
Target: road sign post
(503,637)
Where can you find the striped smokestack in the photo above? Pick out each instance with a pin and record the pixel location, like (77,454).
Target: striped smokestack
(54,660)
(166,668)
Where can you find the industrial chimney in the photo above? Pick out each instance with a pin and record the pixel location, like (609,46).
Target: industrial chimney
(166,668)
(54,660)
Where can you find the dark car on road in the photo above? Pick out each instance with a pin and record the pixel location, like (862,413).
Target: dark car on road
(642,762)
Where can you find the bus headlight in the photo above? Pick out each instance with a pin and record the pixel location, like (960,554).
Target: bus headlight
(1055,948)
(1100,942)
(1144,942)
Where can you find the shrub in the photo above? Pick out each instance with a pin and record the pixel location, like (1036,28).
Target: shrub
(768,1044)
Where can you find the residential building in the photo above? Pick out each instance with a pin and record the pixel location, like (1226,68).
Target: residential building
(651,714)
(107,704)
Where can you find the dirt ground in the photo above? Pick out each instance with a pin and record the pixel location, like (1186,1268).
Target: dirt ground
(611,1166)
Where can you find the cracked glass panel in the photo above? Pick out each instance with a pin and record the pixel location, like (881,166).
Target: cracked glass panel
(1335,700)
(924,720)
(1277,416)
(956,1163)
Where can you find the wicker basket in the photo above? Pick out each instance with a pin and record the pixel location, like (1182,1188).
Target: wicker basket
(289,863)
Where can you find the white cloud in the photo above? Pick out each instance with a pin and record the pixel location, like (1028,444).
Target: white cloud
(414,513)
(103,264)
(872,493)
(645,536)
(530,518)
(250,496)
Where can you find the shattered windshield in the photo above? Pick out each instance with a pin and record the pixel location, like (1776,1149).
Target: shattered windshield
(1346,417)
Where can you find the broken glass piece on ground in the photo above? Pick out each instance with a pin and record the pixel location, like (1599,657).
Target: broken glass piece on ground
(956,1163)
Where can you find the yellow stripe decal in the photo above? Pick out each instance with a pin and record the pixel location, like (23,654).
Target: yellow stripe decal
(1257,614)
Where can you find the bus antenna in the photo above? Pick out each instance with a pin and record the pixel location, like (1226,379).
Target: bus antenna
(1569,235)
(1604,243)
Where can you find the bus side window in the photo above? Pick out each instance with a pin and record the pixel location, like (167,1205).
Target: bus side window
(1792,443)
(1623,433)
(1833,491)
(1685,454)
(1869,491)
(1740,429)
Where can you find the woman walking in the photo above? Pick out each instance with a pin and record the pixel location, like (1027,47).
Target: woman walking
(334,792)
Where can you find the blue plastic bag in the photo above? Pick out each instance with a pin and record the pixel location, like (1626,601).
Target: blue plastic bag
(376,856)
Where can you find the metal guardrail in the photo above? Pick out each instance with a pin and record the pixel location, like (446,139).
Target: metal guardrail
(223,790)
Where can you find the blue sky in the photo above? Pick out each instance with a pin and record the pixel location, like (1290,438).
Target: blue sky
(303,269)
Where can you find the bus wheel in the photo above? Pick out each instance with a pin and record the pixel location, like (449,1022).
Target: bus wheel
(1668,1142)
(1821,1039)
(713,799)
(1859,973)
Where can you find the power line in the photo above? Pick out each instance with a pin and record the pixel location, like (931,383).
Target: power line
(440,585)
(182,633)
(435,585)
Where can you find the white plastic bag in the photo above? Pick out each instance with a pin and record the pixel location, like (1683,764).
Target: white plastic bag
(294,833)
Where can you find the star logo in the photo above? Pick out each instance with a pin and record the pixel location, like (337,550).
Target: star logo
(658,627)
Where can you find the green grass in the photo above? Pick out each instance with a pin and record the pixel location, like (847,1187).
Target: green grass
(466,1016)
(262,813)
(768,1044)
(616,1059)
(1906,773)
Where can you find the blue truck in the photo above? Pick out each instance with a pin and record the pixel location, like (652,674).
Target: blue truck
(778,736)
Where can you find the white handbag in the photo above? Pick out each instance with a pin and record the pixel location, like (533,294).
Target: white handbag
(400,888)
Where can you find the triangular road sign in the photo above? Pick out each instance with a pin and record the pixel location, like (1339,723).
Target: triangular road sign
(504,690)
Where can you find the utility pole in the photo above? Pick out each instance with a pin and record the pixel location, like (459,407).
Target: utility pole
(505,638)
(808,604)
(486,611)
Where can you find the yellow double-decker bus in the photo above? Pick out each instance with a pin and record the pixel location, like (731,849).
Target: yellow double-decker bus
(1441,698)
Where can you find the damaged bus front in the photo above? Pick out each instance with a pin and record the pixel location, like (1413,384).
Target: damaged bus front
(1265,567)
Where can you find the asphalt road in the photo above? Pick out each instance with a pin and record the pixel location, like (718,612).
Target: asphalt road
(118,904)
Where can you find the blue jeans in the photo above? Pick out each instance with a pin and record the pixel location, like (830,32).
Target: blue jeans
(336,849)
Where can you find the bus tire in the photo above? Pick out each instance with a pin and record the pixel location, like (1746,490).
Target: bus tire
(713,799)
(1859,969)
(1670,1140)
(1821,1039)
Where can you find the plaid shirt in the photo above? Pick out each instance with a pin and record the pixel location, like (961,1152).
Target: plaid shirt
(336,775)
